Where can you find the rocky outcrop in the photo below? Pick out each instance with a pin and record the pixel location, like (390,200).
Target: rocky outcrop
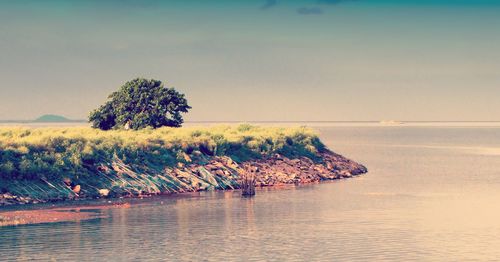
(213,173)
(277,170)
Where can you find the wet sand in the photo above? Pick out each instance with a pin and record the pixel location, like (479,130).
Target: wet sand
(53,214)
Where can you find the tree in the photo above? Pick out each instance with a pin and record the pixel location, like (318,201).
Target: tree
(141,103)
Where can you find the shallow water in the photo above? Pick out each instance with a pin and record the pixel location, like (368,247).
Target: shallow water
(431,194)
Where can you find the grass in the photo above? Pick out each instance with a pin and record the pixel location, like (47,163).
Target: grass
(49,154)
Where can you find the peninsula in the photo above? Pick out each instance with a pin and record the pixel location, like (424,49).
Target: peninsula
(53,164)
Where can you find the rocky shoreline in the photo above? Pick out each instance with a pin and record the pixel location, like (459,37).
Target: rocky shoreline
(206,173)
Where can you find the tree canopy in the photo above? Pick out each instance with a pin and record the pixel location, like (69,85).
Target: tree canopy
(141,103)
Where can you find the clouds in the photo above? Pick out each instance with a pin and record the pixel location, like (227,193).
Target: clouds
(317,10)
(315,7)
(269,4)
(332,2)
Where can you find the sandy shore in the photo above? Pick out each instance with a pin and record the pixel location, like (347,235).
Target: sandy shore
(56,213)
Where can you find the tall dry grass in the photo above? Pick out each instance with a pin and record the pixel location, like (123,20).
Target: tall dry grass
(30,153)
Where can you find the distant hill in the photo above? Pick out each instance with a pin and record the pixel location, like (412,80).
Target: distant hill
(52,119)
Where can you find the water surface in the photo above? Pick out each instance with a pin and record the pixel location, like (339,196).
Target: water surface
(431,194)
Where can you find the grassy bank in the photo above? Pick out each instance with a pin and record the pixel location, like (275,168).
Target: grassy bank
(40,158)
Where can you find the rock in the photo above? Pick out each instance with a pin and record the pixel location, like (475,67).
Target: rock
(196,153)
(76,189)
(187,158)
(219,172)
(208,177)
(104,192)
(67,181)
(345,174)
(103,168)
(210,167)
(217,164)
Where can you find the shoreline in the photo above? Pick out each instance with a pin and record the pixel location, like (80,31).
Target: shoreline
(218,173)
(74,164)
(88,209)
(214,173)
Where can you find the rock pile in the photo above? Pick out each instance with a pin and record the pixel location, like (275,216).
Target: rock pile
(278,170)
(214,173)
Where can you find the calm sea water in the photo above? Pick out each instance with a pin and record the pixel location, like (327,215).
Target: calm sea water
(432,194)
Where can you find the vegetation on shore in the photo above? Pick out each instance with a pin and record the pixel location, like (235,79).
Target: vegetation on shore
(74,153)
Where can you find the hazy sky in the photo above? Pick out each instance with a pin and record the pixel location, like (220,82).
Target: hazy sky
(257,60)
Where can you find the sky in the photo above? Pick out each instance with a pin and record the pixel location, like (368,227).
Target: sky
(257,60)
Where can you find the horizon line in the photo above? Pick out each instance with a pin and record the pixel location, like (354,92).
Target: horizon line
(282,121)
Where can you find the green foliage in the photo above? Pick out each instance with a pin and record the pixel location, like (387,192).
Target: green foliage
(141,103)
(75,152)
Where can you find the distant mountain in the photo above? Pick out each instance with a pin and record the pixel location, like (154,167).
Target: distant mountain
(52,119)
